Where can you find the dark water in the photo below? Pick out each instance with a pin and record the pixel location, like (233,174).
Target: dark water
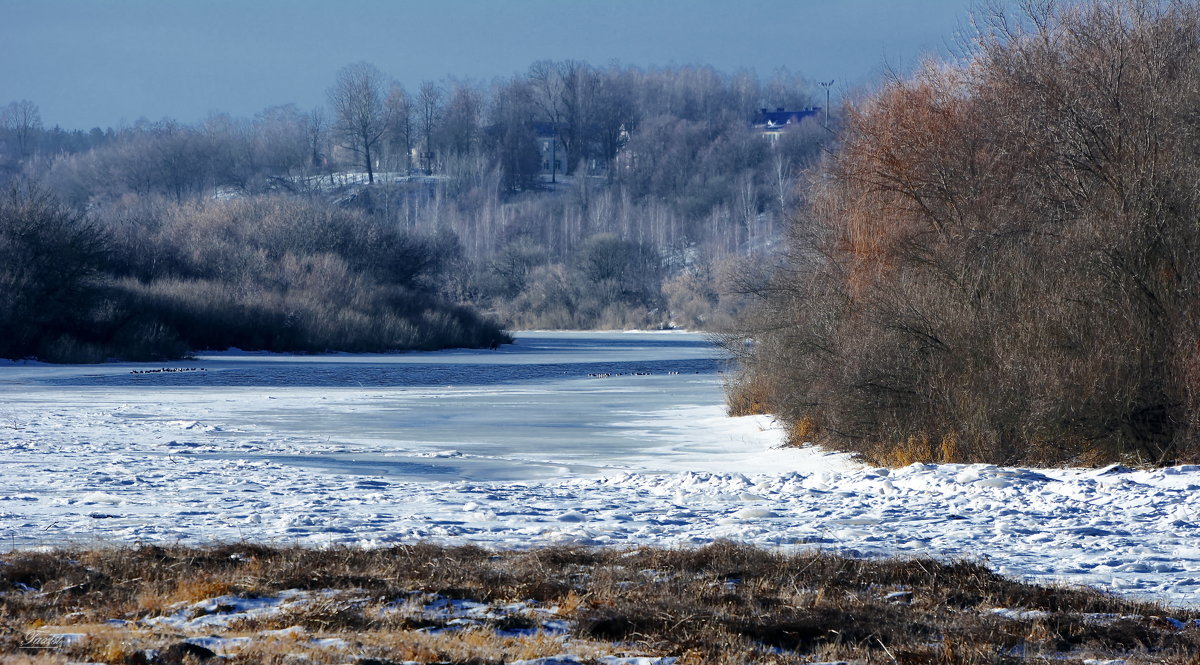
(530,360)
(337,375)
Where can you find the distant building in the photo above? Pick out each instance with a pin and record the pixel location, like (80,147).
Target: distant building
(774,123)
(554,154)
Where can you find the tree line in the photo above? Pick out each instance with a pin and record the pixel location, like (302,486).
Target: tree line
(154,279)
(1001,261)
(567,196)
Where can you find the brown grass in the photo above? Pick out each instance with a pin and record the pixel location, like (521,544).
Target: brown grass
(748,395)
(722,603)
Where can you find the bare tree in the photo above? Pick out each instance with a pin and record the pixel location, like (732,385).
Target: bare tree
(281,140)
(614,115)
(401,133)
(579,83)
(222,145)
(429,111)
(548,88)
(316,126)
(510,136)
(357,98)
(23,120)
(460,127)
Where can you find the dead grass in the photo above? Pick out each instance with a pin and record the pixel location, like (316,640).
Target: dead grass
(748,395)
(723,603)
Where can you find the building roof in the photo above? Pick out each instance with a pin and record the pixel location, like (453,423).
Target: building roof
(767,119)
(546,130)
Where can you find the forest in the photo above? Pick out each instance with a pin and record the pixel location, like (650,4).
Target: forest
(567,196)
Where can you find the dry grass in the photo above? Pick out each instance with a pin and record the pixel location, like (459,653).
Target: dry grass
(748,395)
(723,603)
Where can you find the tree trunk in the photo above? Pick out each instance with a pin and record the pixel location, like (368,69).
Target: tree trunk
(367,153)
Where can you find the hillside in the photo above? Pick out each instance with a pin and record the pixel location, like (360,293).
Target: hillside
(570,196)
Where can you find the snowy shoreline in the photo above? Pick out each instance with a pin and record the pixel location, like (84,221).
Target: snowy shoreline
(626,461)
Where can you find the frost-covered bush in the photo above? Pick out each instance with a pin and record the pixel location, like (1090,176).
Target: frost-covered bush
(291,274)
(148,278)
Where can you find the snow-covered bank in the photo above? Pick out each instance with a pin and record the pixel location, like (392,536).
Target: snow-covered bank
(593,439)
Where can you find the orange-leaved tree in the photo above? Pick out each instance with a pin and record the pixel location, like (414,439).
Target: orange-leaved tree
(1001,260)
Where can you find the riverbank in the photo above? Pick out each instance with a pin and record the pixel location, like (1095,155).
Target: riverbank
(720,604)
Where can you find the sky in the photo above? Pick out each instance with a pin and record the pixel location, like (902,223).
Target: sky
(104,63)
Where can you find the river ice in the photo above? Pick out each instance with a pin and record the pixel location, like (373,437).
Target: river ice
(601,439)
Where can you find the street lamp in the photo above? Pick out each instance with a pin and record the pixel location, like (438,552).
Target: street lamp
(825,85)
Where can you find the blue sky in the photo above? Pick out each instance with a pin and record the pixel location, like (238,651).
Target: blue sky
(105,62)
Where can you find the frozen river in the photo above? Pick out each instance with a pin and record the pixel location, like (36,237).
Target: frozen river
(325,448)
(601,439)
(549,405)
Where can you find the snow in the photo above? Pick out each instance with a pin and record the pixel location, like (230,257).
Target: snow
(604,660)
(526,446)
(221,611)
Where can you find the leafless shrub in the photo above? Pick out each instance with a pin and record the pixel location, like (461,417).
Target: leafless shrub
(289,274)
(1000,262)
(51,267)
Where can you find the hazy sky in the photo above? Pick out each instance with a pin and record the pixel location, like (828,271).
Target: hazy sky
(104,62)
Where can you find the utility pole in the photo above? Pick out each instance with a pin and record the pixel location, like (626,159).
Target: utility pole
(825,85)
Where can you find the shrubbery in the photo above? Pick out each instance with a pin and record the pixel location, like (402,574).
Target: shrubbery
(149,278)
(51,260)
(612,283)
(1001,263)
